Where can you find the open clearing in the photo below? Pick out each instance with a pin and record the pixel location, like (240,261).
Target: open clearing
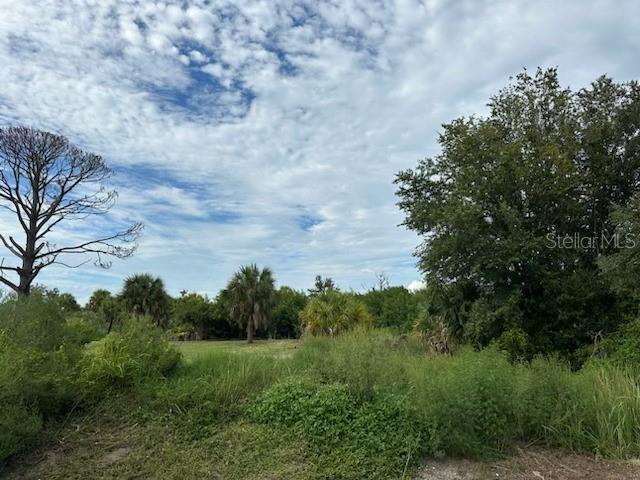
(113,444)
(192,350)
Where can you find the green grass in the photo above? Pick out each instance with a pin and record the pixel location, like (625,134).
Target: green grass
(363,405)
(192,350)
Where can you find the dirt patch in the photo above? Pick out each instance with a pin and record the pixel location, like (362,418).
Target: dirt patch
(531,464)
(115,455)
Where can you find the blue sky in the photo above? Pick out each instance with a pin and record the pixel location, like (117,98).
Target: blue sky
(270,131)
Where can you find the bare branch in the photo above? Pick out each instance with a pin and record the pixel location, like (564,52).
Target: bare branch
(45,180)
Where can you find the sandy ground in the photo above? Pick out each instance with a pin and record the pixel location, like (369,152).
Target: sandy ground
(532,464)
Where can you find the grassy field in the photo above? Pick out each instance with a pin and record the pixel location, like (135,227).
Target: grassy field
(193,350)
(364,405)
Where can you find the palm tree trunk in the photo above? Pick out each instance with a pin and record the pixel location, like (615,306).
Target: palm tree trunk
(250,330)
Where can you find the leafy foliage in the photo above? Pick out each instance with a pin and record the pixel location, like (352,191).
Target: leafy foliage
(622,268)
(192,311)
(322,285)
(354,439)
(221,323)
(502,209)
(110,309)
(392,307)
(39,356)
(285,318)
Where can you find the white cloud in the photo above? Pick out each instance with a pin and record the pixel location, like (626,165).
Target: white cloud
(416,285)
(317,106)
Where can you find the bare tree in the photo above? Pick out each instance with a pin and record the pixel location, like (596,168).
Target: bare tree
(382,280)
(45,180)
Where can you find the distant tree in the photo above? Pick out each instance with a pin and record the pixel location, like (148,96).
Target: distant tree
(45,180)
(394,307)
(382,281)
(331,313)
(107,307)
(65,301)
(68,303)
(98,299)
(194,310)
(323,285)
(251,291)
(285,321)
(501,210)
(222,325)
(145,296)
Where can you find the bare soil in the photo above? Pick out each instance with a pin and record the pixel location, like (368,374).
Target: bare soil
(532,464)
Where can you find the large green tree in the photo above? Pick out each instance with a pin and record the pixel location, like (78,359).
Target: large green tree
(515,210)
(251,291)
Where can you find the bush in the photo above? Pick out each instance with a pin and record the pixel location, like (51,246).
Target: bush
(124,358)
(39,357)
(353,439)
(285,317)
(332,312)
(623,348)
(18,425)
(515,343)
(85,327)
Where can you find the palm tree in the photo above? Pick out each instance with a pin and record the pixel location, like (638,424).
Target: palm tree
(332,312)
(106,306)
(252,293)
(145,296)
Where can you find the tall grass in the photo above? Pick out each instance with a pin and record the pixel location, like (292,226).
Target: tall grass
(480,404)
(212,388)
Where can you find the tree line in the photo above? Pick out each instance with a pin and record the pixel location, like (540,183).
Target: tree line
(251,305)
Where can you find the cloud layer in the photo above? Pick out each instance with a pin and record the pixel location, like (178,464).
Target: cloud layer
(270,131)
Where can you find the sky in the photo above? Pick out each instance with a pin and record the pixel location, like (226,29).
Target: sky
(271,131)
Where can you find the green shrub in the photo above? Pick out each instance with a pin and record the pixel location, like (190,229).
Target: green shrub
(85,327)
(600,414)
(466,403)
(392,307)
(623,348)
(367,360)
(353,439)
(124,358)
(515,343)
(39,358)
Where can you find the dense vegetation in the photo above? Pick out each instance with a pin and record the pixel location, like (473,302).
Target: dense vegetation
(363,404)
(529,215)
